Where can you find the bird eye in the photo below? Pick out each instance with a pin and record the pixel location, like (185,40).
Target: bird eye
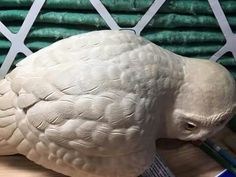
(190,126)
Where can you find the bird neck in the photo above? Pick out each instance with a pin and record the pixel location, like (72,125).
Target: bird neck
(169,84)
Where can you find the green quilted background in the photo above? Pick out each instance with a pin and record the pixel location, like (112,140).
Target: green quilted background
(186,27)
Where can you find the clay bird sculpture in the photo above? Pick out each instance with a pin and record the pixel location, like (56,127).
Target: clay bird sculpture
(93,105)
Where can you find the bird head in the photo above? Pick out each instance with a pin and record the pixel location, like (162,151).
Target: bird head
(205,102)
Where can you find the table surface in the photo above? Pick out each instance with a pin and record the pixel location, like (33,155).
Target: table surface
(184,160)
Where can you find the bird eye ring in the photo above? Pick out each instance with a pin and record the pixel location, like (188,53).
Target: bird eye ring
(190,126)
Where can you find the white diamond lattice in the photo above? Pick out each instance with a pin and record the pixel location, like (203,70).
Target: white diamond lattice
(18,46)
(17,40)
(230,37)
(137,29)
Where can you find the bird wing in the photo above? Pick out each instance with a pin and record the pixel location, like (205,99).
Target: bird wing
(80,106)
(99,45)
(86,101)
(82,94)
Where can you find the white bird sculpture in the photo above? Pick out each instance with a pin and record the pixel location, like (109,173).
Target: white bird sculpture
(93,105)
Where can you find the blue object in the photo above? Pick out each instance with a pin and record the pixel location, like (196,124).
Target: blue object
(226,173)
(227,156)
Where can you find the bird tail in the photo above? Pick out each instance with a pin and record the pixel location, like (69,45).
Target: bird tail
(7,118)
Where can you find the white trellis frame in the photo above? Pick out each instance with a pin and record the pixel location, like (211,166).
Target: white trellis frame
(137,29)
(230,37)
(18,46)
(17,40)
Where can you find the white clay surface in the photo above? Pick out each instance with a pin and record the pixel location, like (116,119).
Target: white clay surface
(93,105)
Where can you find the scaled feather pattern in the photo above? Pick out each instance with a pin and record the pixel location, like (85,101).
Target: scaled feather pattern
(92,105)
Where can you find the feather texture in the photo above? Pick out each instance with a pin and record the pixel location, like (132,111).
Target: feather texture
(90,105)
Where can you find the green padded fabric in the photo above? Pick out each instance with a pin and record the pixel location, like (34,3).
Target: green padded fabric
(125,20)
(171,6)
(161,37)
(185,27)
(182,26)
(158,36)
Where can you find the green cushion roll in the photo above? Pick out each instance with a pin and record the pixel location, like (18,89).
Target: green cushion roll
(171,6)
(175,36)
(125,20)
